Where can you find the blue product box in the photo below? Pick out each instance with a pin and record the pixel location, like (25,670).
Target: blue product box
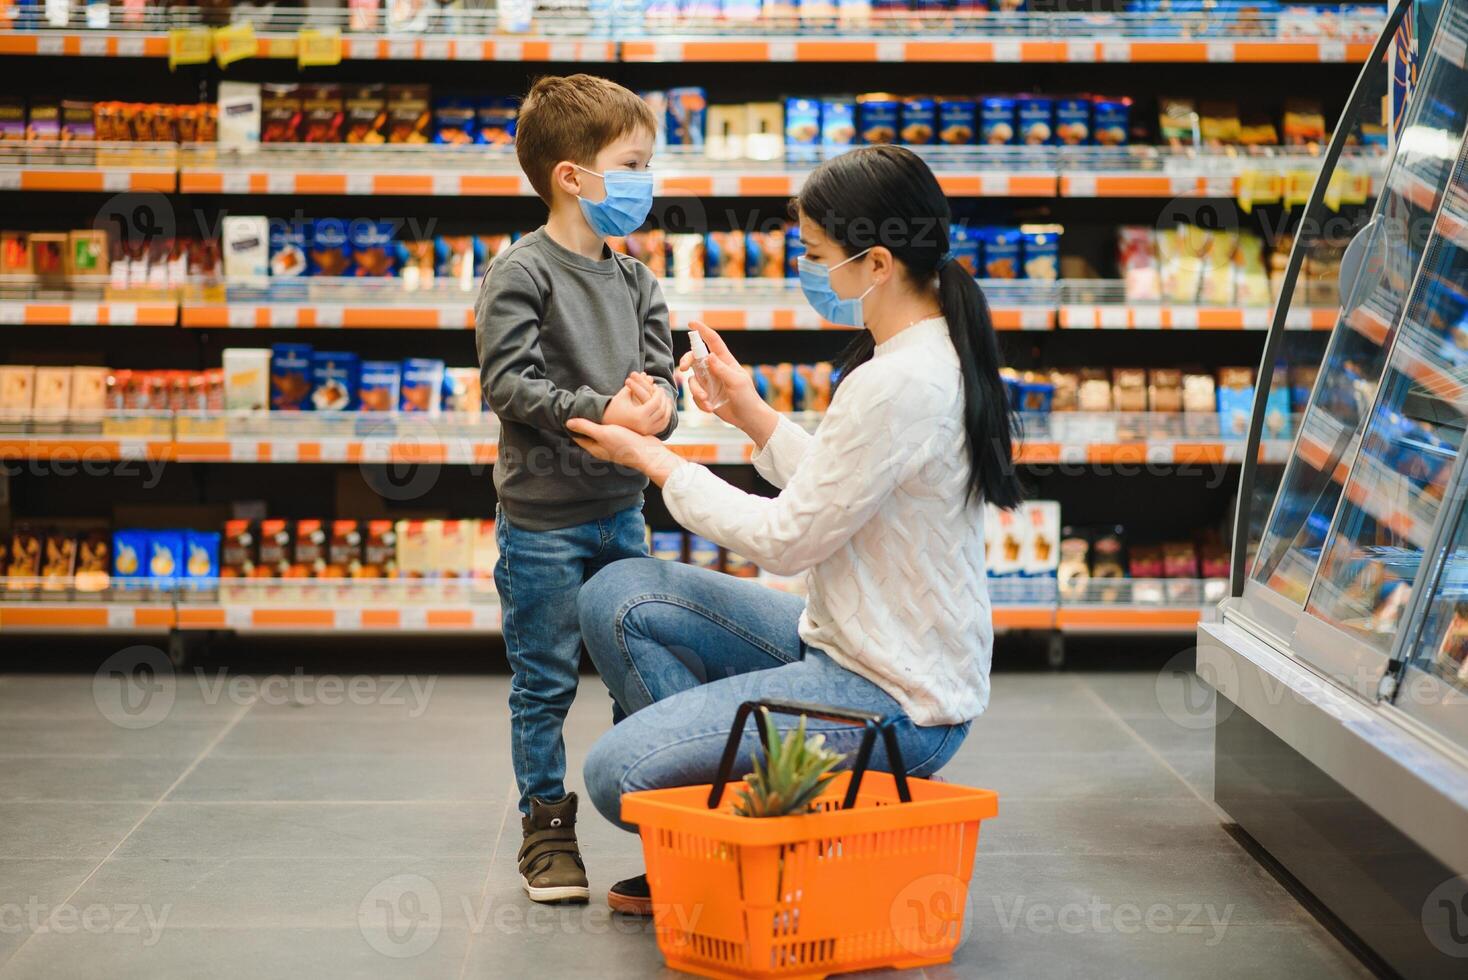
(802,128)
(289,245)
(495,122)
(165,558)
(1041,253)
(703,553)
(379,386)
(290,377)
(1111,121)
(996,121)
(129,557)
(957,121)
(335,377)
(422,389)
(201,558)
(1276,411)
(687,116)
(1235,406)
(667,545)
(329,254)
(878,118)
(1034,396)
(1073,121)
(793,251)
(919,121)
(454,122)
(372,252)
(1036,117)
(966,248)
(1002,251)
(838,122)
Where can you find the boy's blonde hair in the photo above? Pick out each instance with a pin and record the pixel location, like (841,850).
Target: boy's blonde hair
(573,117)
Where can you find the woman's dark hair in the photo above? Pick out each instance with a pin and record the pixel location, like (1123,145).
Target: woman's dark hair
(886,195)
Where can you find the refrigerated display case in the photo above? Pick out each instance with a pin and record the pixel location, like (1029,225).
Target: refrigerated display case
(1341,658)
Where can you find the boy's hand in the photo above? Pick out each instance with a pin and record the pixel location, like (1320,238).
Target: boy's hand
(640,406)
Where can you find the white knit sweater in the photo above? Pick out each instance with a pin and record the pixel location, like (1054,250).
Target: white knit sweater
(875,506)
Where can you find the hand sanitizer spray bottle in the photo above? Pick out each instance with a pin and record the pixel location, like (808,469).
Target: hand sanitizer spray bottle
(713,388)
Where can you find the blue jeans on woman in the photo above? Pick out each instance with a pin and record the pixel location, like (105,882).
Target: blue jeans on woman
(680,648)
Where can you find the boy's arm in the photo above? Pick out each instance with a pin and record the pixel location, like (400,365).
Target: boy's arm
(507,321)
(658,349)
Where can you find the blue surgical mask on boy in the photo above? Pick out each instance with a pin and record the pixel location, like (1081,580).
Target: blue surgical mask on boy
(815,282)
(626,206)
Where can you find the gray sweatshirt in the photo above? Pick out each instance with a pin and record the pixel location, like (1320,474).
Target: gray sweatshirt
(558,334)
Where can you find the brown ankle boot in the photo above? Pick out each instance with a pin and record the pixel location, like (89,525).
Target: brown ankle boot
(550,860)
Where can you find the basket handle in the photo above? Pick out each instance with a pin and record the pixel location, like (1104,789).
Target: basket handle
(871,724)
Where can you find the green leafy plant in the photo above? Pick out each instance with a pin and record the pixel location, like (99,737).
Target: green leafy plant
(792,773)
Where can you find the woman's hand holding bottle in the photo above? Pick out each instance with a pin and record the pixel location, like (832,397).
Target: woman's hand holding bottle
(742,406)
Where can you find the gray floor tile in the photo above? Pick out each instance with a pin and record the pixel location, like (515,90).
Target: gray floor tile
(98,737)
(87,778)
(346,777)
(386,697)
(1041,696)
(1001,736)
(65,830)
(1101,826)
(30,889)
(563,942)
(57,697)
(1169,738)
(1243,952)
(236,954)
(1148,694)
(1079,776)
(274,735)
(369,830)
(258,893)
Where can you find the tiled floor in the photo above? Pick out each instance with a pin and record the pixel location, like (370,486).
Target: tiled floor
(263,830)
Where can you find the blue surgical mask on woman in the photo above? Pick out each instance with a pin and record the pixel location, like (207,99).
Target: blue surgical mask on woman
(626,206)
(815,282)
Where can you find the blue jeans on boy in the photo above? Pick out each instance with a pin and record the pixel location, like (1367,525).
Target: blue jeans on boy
(681,647)
(538,576)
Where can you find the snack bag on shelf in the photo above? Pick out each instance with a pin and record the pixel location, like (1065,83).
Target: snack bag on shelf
(200,559)
(1145,561)
(371,250)
(1217,288)
(1304,122)
(802,129)
(1065,390)
(1111,121)
(878,116)
(290,377)
(93,561)
(280,113)
(1002,251)
(919,120)
(1041,248)
(77,121)
(1041,556)
(454,122)
(407,16)
(1093,393)
(1165,390)
(1178,123)
(380,385)
(727,128)
(129,557)
(724,255)
(276,550)
(486,554)
(764,130)
(1036,117)
(997,126)
(12,119)
(422,386)
(52,399)
(1108,561)
(323,113)
(58,561)
(416,261)
(343,553)
(1073,120)
(764,254)
(289,245)
(165,559)
(1179,560)
(365,108)
(363,15)
(495,122)
(1235,399)
(308,552)
(239,549)
(1129,390)
(1073,570)
(793,250)
(335,378)
(1251,278)
(667,545)
(17,392)
(1011,542)
(407,114)
(1257,129)
(1302,382)
(1276,405)
(379,550)
(456,549)
(687,109)
(44,121)
(703,553)
(1179,253)
(686,258)
(456,258)
(1137,259)
(1219,123)
(419,544)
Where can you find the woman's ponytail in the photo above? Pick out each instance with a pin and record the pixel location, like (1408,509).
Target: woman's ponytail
(988,417)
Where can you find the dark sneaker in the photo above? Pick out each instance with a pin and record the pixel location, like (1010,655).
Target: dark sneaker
(550,861)
(631,896)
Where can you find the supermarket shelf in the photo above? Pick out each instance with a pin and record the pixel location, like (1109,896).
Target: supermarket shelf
(471,606)
(65,310)
(1070,438)
(963,171)
(1102,304)
(88,166)
(609,34)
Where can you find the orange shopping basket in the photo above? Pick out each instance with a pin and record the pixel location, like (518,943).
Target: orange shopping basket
(875,879)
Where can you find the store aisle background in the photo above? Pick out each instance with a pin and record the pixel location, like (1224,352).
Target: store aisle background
(265,830)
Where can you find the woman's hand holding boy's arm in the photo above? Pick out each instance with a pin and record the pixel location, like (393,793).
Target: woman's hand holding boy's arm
(640,406)
(620,445)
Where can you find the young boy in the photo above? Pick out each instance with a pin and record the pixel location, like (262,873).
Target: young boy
(567,328)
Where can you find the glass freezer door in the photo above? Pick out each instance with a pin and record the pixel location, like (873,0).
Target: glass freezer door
(1333,429)
(1391,498)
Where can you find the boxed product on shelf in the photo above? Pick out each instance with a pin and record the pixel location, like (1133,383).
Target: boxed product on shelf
(328,249)
(308,549)
(239,111)
(276,548)
(245,243)
(334,381)
(365,111)
(1041,553)
(380,385)
(1006,540)
(246,379)
(408,115)
(343,550)
(666,545)
(422,385)
(290,377)
(280,113)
